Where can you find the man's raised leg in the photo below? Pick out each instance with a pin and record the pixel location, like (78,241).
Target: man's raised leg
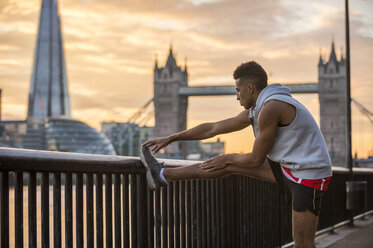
(158,176)
(263,172)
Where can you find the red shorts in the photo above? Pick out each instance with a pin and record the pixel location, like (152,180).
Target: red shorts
(319,184)
(306,194)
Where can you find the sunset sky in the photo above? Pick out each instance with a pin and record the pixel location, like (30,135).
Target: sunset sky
(111,46)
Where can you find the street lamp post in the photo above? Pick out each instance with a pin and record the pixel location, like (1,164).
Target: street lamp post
(348,96)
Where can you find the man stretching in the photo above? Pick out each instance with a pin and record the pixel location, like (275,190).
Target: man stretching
(288,148)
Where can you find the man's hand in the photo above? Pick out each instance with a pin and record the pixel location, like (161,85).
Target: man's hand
(158,143)
(215,163)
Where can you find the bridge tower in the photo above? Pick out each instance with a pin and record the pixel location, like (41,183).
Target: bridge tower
(333,113)
(170,108)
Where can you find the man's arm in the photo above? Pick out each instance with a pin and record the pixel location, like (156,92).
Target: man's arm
(203,131)
(208,130)
(267,128)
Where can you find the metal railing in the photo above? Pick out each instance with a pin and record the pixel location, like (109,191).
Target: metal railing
(104,200)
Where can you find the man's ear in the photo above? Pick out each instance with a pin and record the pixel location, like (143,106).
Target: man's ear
(251,88)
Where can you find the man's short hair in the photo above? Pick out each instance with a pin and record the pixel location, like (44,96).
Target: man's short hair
(253,72)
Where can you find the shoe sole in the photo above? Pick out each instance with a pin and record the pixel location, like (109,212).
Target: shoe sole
(149,176)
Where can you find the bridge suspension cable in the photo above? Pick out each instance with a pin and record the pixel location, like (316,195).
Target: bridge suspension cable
(363,110)
(139,112)
(147,117)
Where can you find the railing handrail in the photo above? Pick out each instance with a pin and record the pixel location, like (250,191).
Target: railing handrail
(13,159)
(356,170)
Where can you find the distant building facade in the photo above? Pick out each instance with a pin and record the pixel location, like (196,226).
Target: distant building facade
(126,138)
(12,132)
(67,135)
(197,150)
(212,149)
(54,134)
(363,162)
(333,113)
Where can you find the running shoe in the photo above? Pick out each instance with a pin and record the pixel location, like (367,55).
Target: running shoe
(153,169)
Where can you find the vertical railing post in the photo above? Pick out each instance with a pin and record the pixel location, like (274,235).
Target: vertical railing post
(68,210)
(164,217)
(108,210)
(126,218)
(204,207)
(233,204)
(170,215)
(141,217)
(199,213)
(218,212)
(333,213)
(223,212)
(89,209)
(241,210)
(99,212)
(45,210)
(117,215)
(182,215)
(214,209)
(150,217)
(245,212)
(177,213)
(194,215)
(18,217)
(158,219)
(79,210)
(134,210)
(57,209)
(32,210)
(4,209)
(189,213)
(208,212)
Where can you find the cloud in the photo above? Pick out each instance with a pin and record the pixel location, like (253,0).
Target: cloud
(8,47)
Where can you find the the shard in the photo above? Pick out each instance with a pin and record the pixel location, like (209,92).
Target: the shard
(48,94)
(49,125)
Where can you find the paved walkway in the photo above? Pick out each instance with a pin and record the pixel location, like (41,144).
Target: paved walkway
(359,236)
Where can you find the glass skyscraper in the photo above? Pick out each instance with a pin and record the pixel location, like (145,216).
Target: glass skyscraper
(49,125)
(48,94)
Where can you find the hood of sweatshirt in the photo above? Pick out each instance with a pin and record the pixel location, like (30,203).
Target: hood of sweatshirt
(270,90)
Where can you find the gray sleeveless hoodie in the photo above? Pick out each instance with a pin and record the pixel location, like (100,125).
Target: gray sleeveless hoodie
(300,146)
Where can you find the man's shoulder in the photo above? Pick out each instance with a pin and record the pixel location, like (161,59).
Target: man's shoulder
(270,112)
(275,105)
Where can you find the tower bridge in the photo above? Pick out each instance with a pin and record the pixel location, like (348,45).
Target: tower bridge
(171,92)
